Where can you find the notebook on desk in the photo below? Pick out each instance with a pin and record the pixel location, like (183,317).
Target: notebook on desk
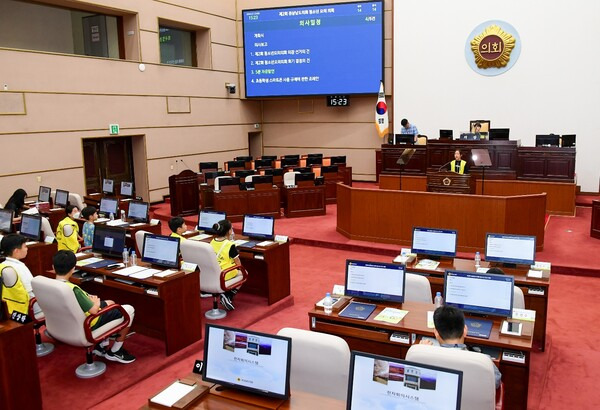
(358,310)
(480,328)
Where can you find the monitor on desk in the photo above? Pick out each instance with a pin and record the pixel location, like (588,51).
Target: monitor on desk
(303,170)
(550,140)
(161,250)
(126,188)
(499,134)
(61,198)
(289,162)
(304,176)
(292,156)
(376,281)
(247,360)
(329,169)
(228,181)
(263,163)
(446,134)
(44,194)
(262,179)
(243,173)
(6,217)
(109,206)
(108,186)
(434,242)
(31,226)
(568,141)
(259,227)
(315,155)
(209,177)
(389,383)
(338,160)
(206,220)
(314,161)
(208,165)
(480,293)
(235,164)
(404,139)
(138,211)
(274,171)
(269,157)
(512,249)
(246,158)
(109,241)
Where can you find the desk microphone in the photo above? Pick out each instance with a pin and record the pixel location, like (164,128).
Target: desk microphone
(187,166)
(440,168)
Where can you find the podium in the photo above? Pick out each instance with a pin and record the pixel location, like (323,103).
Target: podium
(450,182)
(184,193)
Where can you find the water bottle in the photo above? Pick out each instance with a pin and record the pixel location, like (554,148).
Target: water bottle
(122,215)
(438,300)
(133,258)
(477,259)
(111,216)
(125,256)
(328,304)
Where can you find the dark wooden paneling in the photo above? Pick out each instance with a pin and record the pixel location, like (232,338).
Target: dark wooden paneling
(546,163)
(595,226)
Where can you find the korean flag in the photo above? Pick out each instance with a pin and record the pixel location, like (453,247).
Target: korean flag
(381,113)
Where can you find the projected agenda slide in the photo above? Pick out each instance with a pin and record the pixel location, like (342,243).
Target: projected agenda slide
(314,50)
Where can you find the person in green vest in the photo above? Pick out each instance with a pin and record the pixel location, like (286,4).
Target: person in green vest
(227,256)
(64,265)
(458,165)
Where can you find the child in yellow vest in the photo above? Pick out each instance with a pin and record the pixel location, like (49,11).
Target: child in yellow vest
(178,227)
(67,232)
(227,256)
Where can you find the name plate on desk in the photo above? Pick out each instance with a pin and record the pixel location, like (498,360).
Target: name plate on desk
(188,267)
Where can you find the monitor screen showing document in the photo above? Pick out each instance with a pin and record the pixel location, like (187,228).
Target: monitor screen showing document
(44,194)
(6,217)
(258,227)
(109,206)
(161,250)
(108,241)
(375,280)
(379,382)
(247,360)
(510,248)
(138,211)
(126,188)
(31,226)
(482,293)
(108,186)
(206,220)
(61,198)
(434,242)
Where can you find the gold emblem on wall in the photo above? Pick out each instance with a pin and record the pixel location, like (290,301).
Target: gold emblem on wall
(446,181)
(492,48)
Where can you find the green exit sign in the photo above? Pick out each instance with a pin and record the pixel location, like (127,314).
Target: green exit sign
(113,129)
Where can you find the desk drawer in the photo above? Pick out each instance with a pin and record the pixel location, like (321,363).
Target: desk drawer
(352,331)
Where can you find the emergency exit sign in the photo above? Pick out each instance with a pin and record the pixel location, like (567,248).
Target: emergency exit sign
(113,129)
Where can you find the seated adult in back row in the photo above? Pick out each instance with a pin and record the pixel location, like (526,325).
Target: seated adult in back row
(408,128)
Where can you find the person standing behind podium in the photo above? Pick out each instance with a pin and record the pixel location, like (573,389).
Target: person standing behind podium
(227,256)
(458,165)
(408,128)
(16,202)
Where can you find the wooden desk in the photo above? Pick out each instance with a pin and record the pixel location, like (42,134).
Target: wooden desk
(173,315)
(298,400)
(536,291)
(546,163)
(450,182)
(237,203)
(304,201)
(374,337)
(19,374)
(595,225)
(387,216)
(39,257)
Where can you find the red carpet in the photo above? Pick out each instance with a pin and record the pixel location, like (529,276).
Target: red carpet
(586,200)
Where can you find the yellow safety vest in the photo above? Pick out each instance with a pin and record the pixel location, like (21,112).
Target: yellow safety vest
(68,243)
(73,286)
(16,297)
(176,235)
(462,166)
(222,248)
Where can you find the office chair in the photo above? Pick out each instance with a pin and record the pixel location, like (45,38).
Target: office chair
(478,387)
(139,241)
(421,140)
(217,182)
(518,298)
(212,278)
(418,289)
(66,321)
(289,179)
(320,363)
(47,228)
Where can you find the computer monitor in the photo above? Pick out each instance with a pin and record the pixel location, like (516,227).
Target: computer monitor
(446,134)
(247,360)
(243,173)
(568,140)
(126,188)
(499,134)
(108,240)
(209,177)
(138,211)
(329,169)
(231,181)
(289,162)
(314,161)
(235,164)
(206,220)
(510,249)
(44,194)
(274,171)
(246,158)
(259,227)
(108,186)
(338,160)
(434,242)
(291,156)
(315,155)
(6,217)
(31,226)
(161,250)
(262,179)
(303,170)
(304,176)
(382,382)
(480,293)
(376,281)
(263,163)
(208,165)
(404,139)
(269,157)
(550,140)
(61,198)
(109,206)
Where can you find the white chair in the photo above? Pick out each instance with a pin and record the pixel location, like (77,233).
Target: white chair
(212,279)
(478,386)
(139,242)
(218,182)
(75,199)
(320,363)
(418,289)
(518,298)
(66,321)
(46,228)
(289,178)
(248,178)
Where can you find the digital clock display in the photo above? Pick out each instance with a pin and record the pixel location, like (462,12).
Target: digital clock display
(338,100)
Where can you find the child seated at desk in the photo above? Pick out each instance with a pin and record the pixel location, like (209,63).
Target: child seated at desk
(227,256)
(16,202)
(90,214)
(178,227)
(64,266)
(67,232)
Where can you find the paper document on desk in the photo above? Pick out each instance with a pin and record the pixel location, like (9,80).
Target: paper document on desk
(88,261)
(172,394)
(391,315)
(31,211)
(144,274)
(524,314)
(100,220)
(264,244)
(116,222)
(165,273)
(130,270)
(138,224)
(200,237)
(427,264)
(240,242)
(536,274)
